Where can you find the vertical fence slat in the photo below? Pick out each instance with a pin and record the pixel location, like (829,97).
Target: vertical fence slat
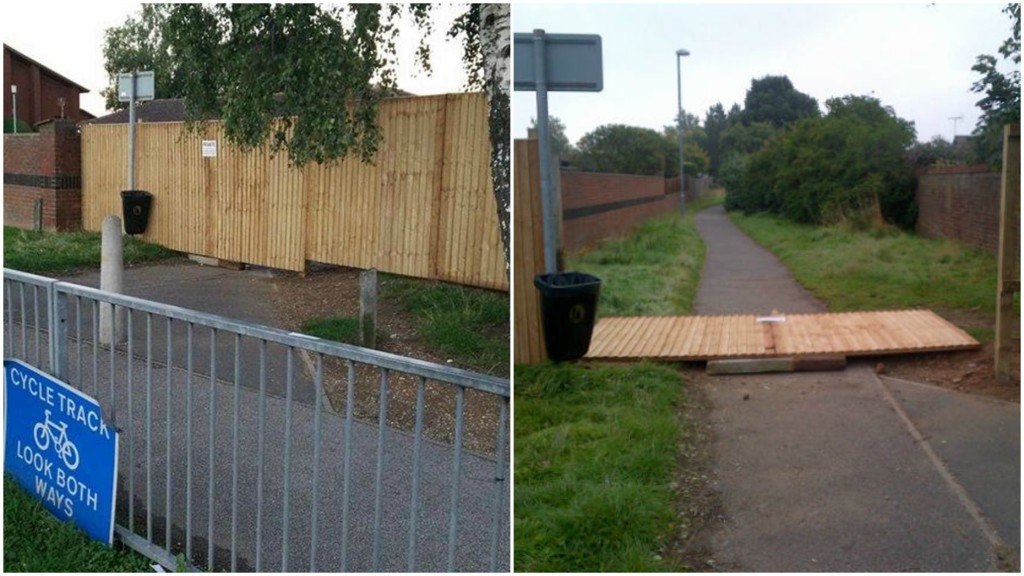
(35,318)
(24,321)
(289,377)
(167,478)
(149,427)
(416,456)
(453,519)
(318,384)
(211,449)
(78,343)
(234,455)
(499,484)
(10,319)
(259,454)
(131,428)
(188,441)
(382,427)
(95,350)
(346,475)
(113,339)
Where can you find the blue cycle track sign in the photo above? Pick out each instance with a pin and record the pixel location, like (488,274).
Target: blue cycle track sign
(59,448)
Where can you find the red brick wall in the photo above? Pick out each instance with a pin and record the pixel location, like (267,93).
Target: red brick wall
(961,203)
(44,166)
(599,206)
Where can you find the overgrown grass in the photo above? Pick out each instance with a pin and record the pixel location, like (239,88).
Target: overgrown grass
(708,201)
(880,269)
(342,329)
(653,271)
(35,541)
(470,325)
(596,445)
(594,457)
(56,253)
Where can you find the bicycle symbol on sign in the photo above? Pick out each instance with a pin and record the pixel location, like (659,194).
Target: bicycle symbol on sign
(57,432)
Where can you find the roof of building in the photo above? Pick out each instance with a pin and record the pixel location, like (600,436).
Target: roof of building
(165,110)
(48,70)
(162,110)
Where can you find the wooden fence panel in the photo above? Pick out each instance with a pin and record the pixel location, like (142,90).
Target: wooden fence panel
(424,207)
(529,254)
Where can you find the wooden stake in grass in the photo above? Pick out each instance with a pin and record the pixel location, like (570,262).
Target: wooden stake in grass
(368,308)
(1009,249)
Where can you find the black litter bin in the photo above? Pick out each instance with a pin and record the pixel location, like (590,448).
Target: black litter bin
(568,307)
(136,205)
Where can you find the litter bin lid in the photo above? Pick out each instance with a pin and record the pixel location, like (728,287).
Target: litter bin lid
(567,282)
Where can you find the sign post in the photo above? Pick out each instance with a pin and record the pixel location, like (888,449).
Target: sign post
(561,63)
(59,448)
(131,87)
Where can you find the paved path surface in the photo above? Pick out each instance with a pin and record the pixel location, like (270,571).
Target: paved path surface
(844,471)
(245,296)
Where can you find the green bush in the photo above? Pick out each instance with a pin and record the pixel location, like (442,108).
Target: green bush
(848,166)
(23,127)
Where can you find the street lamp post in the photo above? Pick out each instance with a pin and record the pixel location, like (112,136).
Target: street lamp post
(14,106)
(679,120)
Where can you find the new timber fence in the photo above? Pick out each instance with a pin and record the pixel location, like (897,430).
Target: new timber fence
(424,208)
(233,455)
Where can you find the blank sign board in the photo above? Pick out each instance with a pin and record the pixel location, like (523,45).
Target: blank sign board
(573,62)
(145,86)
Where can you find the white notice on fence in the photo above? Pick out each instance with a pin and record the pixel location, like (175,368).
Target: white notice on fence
(209,148)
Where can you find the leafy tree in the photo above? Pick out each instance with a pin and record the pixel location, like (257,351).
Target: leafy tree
(1001,104)
(137,45)
(560,144)
(937,151)
(715,122)
(848,165)
(746,139)
(620,149)
(773,99)
(307,78)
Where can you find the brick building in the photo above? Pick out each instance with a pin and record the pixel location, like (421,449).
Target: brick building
(42,93)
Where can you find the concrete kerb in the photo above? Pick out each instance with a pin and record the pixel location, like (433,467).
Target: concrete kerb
(969,504)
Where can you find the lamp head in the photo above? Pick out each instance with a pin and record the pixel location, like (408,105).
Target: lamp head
(682,52)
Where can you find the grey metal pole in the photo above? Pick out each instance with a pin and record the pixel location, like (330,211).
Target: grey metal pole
(131,135)
(544,149)
(679,123)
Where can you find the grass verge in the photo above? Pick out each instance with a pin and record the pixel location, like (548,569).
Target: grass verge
(596,445)
(35,541)
(344,329)
(881,269)
(56,253)
(470,325)
(653,271)
(594,460)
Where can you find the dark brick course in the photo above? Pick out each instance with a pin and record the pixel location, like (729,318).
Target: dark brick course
(45,166)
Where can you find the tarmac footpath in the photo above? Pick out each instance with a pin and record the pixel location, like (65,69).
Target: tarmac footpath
(848,471)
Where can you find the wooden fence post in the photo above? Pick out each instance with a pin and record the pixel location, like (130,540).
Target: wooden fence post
(1009,250)
(368,308)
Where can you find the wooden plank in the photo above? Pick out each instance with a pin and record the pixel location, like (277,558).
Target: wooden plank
(709,337)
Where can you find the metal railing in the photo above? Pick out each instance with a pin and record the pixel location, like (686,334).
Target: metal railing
(246,447)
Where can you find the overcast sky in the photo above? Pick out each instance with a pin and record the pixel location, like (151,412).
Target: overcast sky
(68,38)
(916,58)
